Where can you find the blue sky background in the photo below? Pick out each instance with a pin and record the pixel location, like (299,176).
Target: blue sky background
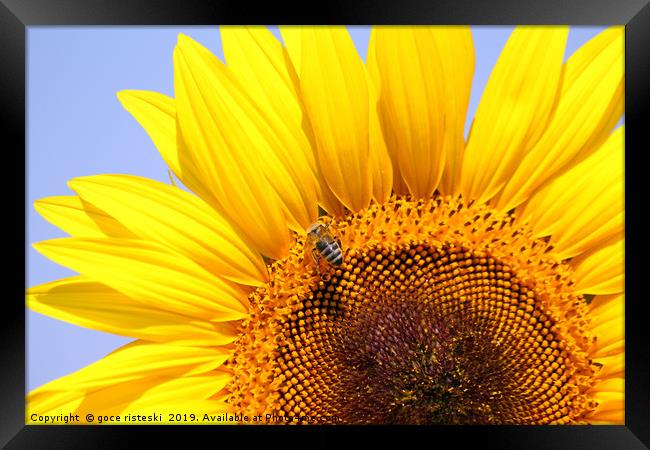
(76,126)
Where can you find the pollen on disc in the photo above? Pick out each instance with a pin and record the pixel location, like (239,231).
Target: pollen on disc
(442,313)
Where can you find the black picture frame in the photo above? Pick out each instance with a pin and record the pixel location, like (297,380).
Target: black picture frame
(17,15)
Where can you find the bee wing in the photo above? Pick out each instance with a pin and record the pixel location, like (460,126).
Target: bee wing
(307,251)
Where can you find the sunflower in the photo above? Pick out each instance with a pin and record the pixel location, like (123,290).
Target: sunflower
(481,280)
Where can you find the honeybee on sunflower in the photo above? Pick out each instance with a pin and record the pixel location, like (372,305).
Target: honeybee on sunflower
(480,280)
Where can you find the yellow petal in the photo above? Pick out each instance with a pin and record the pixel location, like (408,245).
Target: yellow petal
(152,274)
(381,167)
(291,36)
(239,152)
(610,395)
(410,103)
(612,366)
(251,205)
(424,77)
(601,270)
(516,106)
(183,222)
(196,387)
(79,218)
(456,49)
(610,331)
(615,347)
(610,400)
(457,54)
(397,182)
(134,361)
(610,339)
(334,89)
(608,325)
(90,304)
(380,163)
(268,76)
(261,63)
(589,106)
(50,403)
(127,374)
(157,114)
(124,400)
(165,397)
(140,359)
(584,206)
(606,308)
(615,416)
(610,385)
(207,412)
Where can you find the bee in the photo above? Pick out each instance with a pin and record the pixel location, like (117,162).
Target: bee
(324,244)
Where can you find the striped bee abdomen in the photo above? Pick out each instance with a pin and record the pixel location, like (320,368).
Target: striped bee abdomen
(331,251)
(323,244)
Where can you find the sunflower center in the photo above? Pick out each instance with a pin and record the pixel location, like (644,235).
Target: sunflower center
(440,314)
(422,355)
